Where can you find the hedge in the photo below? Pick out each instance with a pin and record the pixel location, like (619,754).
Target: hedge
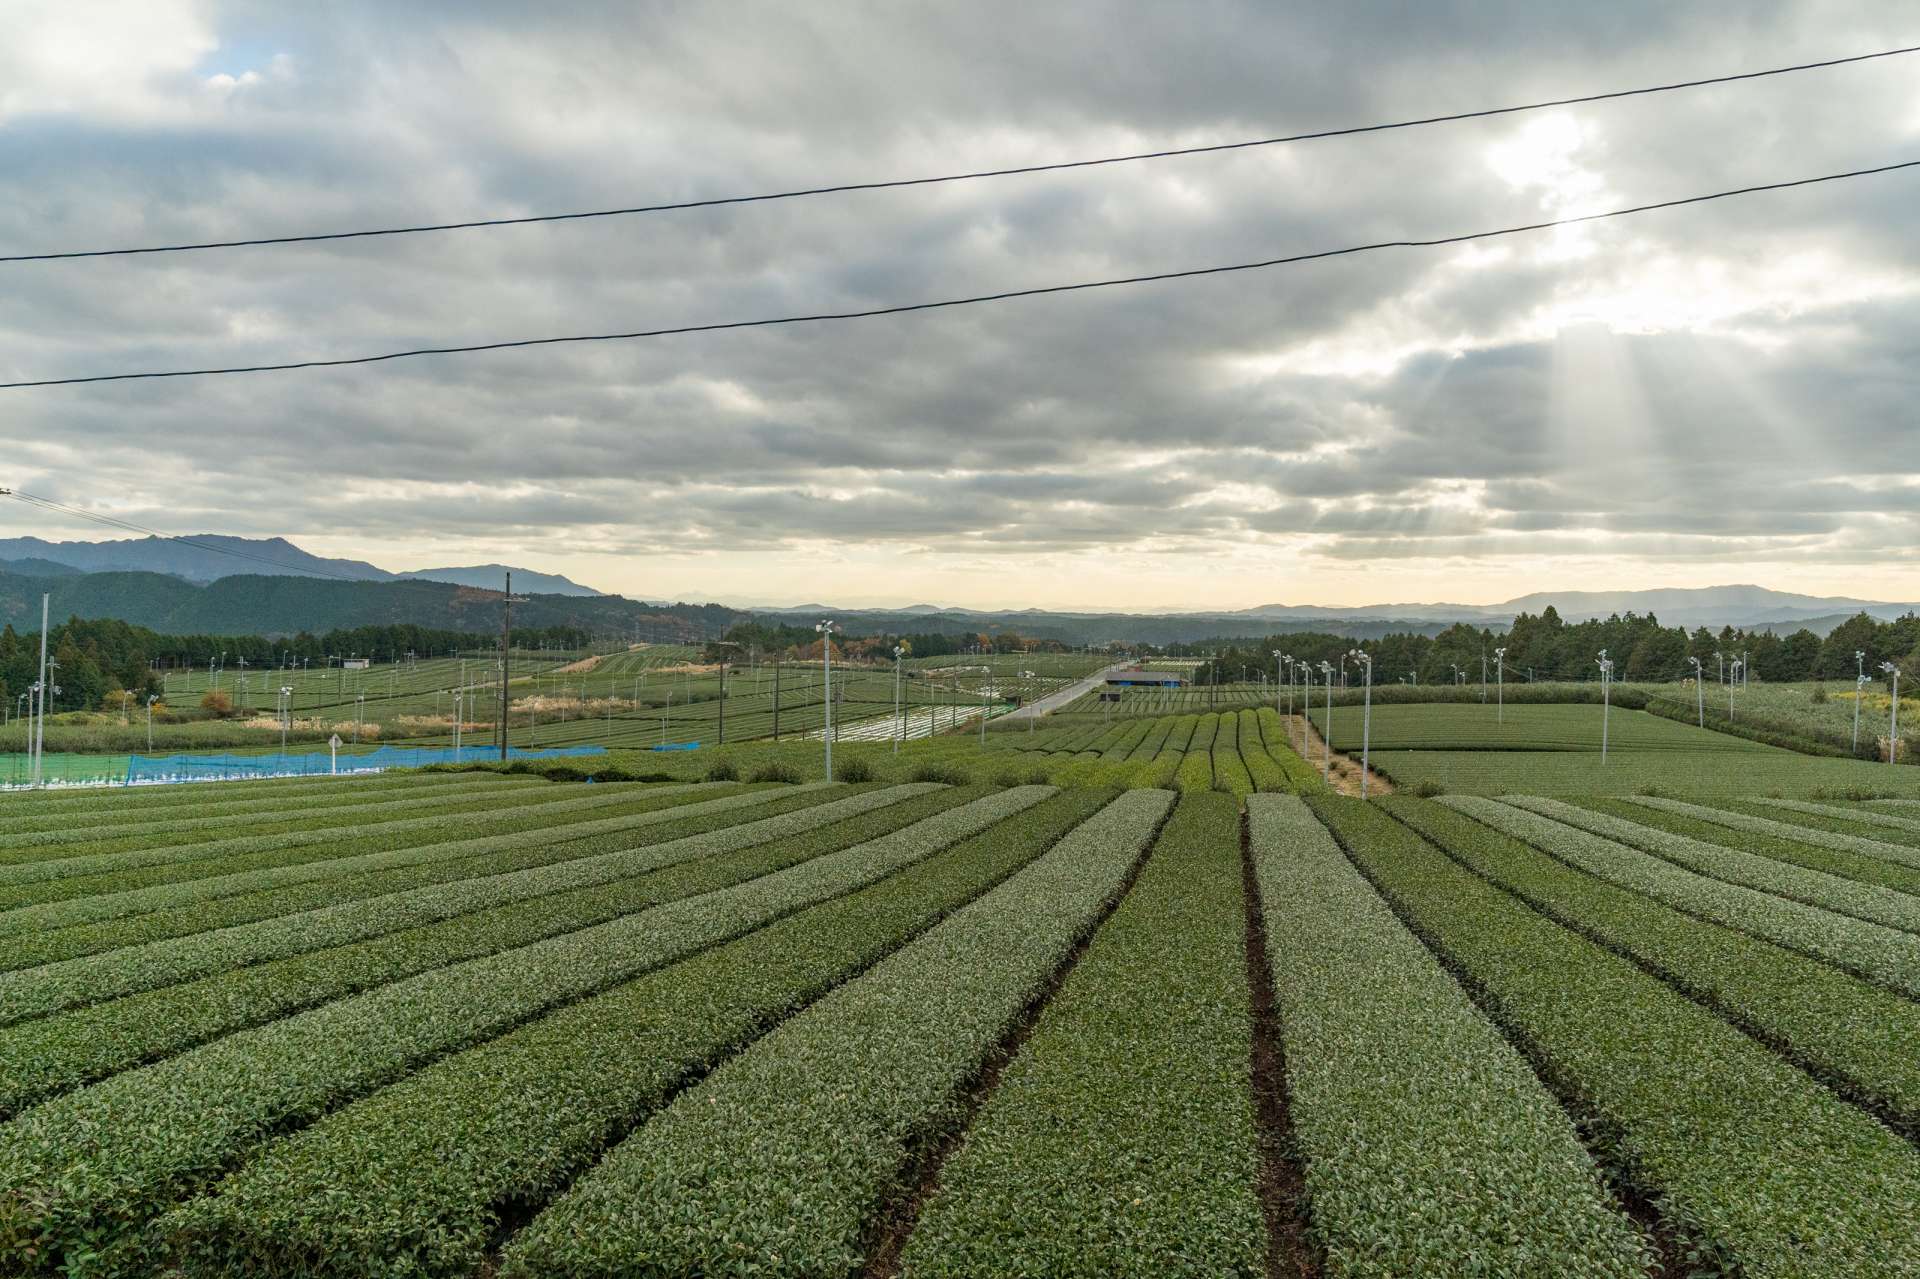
(1878,953)
(53,1054)
(1758,1168)
(1120,1141)
(1430,1147)
(779,1159)
(410,1181)
(1854,1035)
(83,1176)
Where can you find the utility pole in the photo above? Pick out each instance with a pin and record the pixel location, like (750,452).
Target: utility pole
(1893,725)
(40,725)
(825,629)
(506,660)
(776,697)
(1859,690)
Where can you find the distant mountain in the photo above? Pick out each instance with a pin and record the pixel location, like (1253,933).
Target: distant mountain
(490,576)
(37,568)
(1715,606)
(285,605)
(209,557)
(203,557)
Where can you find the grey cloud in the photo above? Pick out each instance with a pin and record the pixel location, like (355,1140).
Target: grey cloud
(1060,424)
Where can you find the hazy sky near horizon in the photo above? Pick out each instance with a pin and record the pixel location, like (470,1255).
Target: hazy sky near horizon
(1725,393)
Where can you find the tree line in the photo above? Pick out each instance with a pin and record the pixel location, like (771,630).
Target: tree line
(99,659)
(1545,647)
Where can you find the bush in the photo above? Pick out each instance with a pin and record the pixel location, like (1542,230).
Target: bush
(217,704)
(1427,788)
(951,774)
(723,770)
(1820,695)
(856,770)
(776,772)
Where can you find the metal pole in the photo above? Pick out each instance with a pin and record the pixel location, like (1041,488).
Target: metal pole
(1326,677)
(1859,690)
(1893,727)
(899,725)
(506,665)
(776,697)
(40,722)
(1500,685)
(825,628)
(1700,696)
(1606,671)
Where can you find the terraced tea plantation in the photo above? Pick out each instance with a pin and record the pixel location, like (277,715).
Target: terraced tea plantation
(466,1024)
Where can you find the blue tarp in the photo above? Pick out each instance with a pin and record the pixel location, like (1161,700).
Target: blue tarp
(200,768)
(677,746)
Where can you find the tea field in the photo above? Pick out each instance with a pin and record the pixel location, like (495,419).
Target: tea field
(473,1023)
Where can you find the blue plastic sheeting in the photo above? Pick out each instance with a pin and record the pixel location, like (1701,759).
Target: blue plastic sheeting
(142,770)
(677,746)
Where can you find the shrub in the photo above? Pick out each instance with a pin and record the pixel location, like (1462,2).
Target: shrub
(217,704)
(1427,788)
(855,770)
(723,770)
(776,772)
(950,774)
(1820,695)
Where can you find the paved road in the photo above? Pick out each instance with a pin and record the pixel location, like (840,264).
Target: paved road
(1054,701)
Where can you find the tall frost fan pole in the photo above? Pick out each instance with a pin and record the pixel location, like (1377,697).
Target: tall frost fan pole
(1893,725)
(826,686)
(506,656)
(40,724)
(1326,677)
(1606,680)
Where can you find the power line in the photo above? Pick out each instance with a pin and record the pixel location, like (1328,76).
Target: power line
(949,303)
(1013,171)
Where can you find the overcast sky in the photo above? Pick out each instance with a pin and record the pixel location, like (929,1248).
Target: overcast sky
(1725,393)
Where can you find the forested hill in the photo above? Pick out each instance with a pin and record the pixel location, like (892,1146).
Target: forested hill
(263,605)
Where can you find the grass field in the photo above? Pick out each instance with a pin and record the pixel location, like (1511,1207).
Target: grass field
(465,1024)
(1521,728)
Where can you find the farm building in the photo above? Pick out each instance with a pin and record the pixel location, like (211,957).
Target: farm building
(1145,679)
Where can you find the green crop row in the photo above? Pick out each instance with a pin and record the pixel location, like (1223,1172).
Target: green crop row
(1120,1140)
(84,1175)
(1900,853)
(71,838)
(452,844)
(1854,820)
(1872,951)
(1430,1148)
(125,872)
(51,1055)
(39,810)
(1229,770)
(36,991)
(779,1159)
(411,1180)
(697,809)
(1302,777)
(1844,896)
(1195,772)
(1755,1167)
(1853,1034)
(1129,742)
(1851,865)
